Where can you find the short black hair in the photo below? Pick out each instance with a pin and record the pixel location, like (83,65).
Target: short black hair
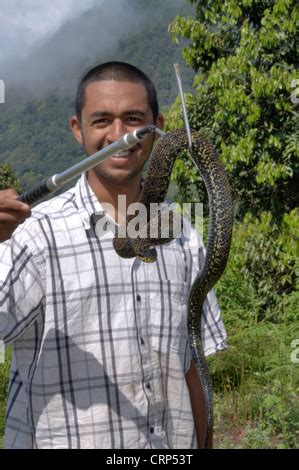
(120,72)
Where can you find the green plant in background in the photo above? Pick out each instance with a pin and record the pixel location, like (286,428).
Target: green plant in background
(255,382)
(243,53)
(269,261)
(8,178)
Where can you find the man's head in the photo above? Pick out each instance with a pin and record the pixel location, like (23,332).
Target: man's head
(119,72)
(112,99)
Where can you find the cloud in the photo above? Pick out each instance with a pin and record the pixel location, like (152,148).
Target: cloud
(24,23)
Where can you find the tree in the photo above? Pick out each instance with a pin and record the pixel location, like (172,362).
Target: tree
(8,178)
(243,53)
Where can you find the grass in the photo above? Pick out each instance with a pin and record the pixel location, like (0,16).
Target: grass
(256,380)
(255,388)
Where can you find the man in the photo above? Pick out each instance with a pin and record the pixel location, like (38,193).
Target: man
(101,358)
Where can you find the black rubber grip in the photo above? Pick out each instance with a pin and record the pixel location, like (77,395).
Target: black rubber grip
(35,194)
(145,130)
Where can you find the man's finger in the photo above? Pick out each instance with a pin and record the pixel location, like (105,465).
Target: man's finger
(12,217)
(9,202)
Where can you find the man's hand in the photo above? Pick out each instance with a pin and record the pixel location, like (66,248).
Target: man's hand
(12,213)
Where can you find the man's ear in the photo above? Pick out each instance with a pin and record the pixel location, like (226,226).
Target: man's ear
(159,123)
(76,129)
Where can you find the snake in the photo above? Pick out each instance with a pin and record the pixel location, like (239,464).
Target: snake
(207,161)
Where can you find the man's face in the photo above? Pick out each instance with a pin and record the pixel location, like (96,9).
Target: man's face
(111,110)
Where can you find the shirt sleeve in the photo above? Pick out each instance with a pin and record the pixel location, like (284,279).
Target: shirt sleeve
(212,328)
(21,289)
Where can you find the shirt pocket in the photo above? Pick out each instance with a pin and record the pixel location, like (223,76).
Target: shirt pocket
(168,323)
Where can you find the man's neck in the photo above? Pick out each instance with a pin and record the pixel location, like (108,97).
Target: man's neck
(108,191)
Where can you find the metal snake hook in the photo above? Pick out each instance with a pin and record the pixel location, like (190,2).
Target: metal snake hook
(186,120)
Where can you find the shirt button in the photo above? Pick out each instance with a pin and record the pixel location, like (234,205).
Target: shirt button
(138,298)
(148,385)
(152,430)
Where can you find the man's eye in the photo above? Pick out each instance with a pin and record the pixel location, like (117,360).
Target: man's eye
(100,121)
(134,119)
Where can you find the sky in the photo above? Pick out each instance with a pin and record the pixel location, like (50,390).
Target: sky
(24,22)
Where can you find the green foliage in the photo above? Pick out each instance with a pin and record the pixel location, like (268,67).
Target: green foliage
(256,385)
(256,438)
(243,52)
(8,178)
(269,254)
(263,270)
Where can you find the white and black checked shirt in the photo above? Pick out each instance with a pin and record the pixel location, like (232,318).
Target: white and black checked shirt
(100,348)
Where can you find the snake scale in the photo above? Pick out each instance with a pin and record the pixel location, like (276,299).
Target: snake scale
(206,160)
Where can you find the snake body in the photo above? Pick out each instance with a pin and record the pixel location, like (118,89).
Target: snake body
(207,161)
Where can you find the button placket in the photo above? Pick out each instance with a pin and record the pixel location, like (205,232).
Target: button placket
(142,314)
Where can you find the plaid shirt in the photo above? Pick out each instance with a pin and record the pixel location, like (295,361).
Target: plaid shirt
(100,347)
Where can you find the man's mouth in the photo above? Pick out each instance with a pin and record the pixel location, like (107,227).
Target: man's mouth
(124,153)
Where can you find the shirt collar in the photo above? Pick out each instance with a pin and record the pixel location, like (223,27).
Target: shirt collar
(87,202)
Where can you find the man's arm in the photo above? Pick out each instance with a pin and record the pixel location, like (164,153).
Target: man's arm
(21,289)
(198,404)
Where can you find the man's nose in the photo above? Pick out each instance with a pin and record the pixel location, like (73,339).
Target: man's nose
(116,130)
